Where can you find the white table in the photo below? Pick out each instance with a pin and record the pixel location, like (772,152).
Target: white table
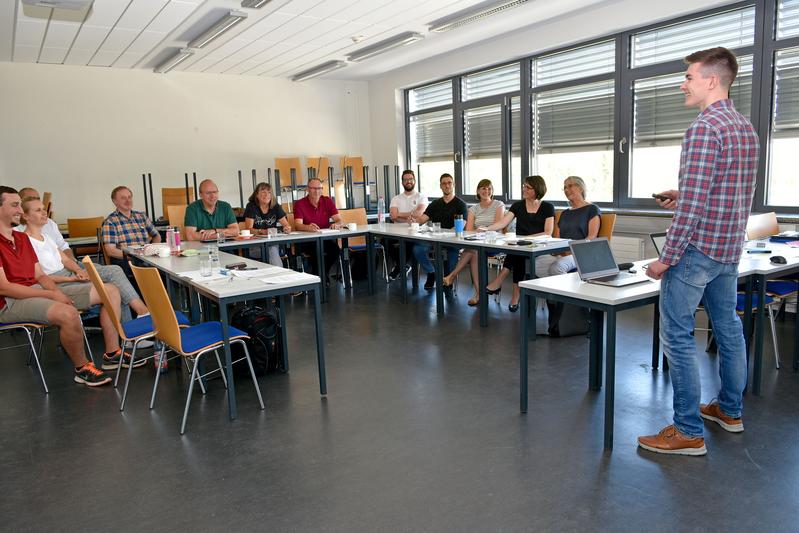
(224,293)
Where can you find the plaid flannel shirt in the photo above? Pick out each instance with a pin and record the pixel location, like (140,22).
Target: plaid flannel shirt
(121,230)
(718,169)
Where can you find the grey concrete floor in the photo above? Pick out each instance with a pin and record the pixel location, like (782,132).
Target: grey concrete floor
(420,431)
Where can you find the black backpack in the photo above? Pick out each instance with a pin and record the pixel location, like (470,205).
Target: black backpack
(264,345)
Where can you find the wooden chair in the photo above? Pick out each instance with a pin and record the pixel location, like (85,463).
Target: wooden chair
(176,214)
(761,226)
(606,224)
(174,196)
(358,244)
(85,227)
(190,343)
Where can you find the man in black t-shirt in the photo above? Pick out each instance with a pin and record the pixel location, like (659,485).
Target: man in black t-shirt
(443,211)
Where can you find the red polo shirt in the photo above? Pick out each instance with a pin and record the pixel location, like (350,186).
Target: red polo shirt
(18,260)
(319,215)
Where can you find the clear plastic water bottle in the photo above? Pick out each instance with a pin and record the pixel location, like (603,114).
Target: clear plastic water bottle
(177,239)
(213,258)
(381,215)
(170,238)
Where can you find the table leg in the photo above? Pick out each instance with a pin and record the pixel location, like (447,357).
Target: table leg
(656,337)
(320,265)
(403,271)
(610,376)
(439,266)
(320,343)
(759,330)
(345,263)
(523,340)
(747,321)
(231,387)
(370,260)
(281,317)
(595,350)
(482,281)
(796,340)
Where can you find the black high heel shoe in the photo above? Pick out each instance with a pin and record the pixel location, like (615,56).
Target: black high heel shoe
(493,291)
(513,307)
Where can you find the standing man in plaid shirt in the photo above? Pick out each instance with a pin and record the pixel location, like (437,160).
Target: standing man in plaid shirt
(718,168)
(126,227)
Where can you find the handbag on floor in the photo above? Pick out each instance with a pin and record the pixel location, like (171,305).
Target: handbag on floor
(263,329)
(566,320)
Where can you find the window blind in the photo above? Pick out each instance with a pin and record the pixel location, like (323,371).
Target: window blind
(483,132)
(572,64)
(579,116)
(431,136)
(732,29)
(785,114)
(430,96)
(499,80)
(787,18)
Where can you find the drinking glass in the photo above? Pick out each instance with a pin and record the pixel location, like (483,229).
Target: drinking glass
(205,267)
(220,238)
(272,233)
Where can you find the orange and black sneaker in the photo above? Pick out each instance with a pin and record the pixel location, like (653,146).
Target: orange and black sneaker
(90,376)
(112,360)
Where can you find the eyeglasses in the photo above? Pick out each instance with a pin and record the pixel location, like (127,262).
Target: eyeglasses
(315,188)
(527,187)
(210,192)
(489,187)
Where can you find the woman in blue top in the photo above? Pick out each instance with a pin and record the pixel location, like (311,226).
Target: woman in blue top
(263,212)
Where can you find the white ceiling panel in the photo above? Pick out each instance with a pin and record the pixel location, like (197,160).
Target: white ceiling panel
(278,40)
(140,13)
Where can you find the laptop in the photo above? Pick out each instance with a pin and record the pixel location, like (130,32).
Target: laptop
(596,264)
(658,241)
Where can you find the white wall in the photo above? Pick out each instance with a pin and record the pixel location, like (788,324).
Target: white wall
(80,131)
(613,16)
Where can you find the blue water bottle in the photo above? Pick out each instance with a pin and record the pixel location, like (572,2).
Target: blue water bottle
(459,225)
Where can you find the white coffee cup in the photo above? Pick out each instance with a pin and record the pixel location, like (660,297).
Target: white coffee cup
(245,233)
(163,252)
(414,226)
(352,226)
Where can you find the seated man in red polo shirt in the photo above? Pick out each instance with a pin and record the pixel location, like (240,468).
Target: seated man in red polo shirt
(27,294)
(312,213)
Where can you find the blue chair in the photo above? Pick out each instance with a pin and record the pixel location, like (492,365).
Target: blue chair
(30,329)
(191,343)
(133,331)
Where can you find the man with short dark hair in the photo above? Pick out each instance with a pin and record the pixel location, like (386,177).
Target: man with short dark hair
(27,294)
(443,210)
(209,216)
(405,206)
(699,260)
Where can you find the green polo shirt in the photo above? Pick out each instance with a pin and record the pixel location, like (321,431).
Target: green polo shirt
(197,216)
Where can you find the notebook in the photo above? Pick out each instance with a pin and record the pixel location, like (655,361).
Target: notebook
(596,264)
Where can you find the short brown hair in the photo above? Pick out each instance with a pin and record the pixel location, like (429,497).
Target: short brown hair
(538,184)
(120,188)
(4,189)
(445,175)
(718,61)
(408,171)
(484,183)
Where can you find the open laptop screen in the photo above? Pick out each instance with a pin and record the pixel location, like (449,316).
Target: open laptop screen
(658,240)
(594,258)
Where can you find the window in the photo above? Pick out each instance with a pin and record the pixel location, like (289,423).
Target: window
(431,148)
(576,63)
(482,142)
(733,29)
(573,136)
(436,95)
(491,82)
(783,181)
(515,148)
(660,119)
(787,19)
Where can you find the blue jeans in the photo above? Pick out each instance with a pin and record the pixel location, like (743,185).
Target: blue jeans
(683,287)
(420,252)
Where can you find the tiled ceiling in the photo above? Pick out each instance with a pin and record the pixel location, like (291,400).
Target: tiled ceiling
(279,40)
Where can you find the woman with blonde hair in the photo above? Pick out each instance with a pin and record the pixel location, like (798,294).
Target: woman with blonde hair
(486,212)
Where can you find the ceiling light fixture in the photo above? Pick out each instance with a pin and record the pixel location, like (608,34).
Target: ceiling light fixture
(224,24)
(472,14)
(174,61)
(384,46)
(254,4)
(324,68)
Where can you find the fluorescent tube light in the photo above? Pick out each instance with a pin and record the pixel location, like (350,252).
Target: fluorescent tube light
(324,68)
(174,61)
(224,24)
(384,46)
(254,4)
(472,14)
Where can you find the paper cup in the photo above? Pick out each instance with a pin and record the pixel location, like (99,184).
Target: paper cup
(352,226)
(245,233)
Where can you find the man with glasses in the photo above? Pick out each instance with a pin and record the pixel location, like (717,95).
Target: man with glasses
(405,206)
(209,216)
(443,210)
(313,213)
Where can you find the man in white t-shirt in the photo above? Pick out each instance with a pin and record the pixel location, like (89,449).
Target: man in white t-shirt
(405,206)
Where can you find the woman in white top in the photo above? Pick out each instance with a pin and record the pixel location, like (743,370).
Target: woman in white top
(488,211)
(63,269)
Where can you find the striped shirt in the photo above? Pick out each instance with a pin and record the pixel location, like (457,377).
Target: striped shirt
(124,231)
(718,169)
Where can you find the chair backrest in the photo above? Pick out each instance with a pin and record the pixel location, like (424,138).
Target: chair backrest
(176,214)
(84,227)
(155,296)
(290,219)
(101,246)
(606,223)
(47,201)
(762,225)
(357,215)
(556,231)
(174,196)
(99,286)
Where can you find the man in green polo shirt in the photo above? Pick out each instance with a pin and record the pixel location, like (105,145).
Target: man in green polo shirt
(208,216)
